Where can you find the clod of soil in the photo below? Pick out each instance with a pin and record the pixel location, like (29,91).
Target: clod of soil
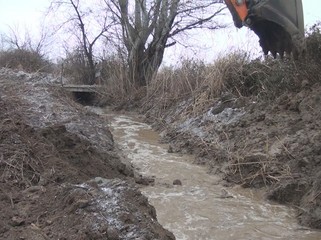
(177,182)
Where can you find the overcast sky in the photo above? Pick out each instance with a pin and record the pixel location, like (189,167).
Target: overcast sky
(29,14)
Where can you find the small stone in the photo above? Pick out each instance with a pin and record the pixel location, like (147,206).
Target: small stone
(177,182)
(48,222)
(225,194)
(17,221)
(305,83)
(82,203)
(170,149)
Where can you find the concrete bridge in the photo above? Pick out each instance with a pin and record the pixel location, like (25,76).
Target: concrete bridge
(82,88)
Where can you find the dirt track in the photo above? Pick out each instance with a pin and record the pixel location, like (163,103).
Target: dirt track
(61,176)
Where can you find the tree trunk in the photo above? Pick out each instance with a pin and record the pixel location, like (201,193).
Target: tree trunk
(147,28)
(136,70)
(91,69)
(144,64)
(159,26)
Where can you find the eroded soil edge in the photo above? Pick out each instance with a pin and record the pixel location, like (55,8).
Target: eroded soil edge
(274,144)
(61,176)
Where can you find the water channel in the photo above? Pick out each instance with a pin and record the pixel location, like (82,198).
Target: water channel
(196,209)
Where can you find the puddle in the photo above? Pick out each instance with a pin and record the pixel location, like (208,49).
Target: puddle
(196,209)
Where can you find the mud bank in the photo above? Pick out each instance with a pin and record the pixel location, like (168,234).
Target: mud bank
(194,204)
(273,145)
(61,176)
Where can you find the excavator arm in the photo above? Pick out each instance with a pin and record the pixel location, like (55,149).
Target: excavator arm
(279,24)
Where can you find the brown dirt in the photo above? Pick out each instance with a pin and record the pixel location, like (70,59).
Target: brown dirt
(274,144)
(61,176)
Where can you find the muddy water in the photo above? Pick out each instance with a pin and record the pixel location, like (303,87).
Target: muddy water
(199,209)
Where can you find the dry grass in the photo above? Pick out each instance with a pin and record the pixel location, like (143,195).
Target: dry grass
(115,80)
(257,170)
(235,73)
(22,150)
(191,89)
(18,163)
(76,69)
(26,60)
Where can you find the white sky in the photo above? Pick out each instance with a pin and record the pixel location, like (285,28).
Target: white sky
(231,39)
(22,12)
(29,14)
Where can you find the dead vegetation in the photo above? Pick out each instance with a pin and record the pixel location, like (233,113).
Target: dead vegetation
(237,74)
(25,60)
(256,122)
(18,164)
(59,166)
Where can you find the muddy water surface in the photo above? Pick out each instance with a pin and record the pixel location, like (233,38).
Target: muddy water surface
(201,208)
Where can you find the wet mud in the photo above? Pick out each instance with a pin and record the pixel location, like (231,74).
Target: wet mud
(200,206)
(265,144)
(61,176)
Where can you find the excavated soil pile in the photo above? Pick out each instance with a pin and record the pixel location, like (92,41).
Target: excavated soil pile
(60,175)
(274,143)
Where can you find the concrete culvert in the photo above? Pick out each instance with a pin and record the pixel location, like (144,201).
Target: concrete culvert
(84,98)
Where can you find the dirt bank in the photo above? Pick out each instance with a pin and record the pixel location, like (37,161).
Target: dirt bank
(61,176)
(274,144)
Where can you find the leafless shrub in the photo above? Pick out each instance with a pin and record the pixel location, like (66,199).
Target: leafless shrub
(237,74)
(173,84)
(311,67)
(20,50)
(116,88)
(114,77)
(75,67)
(224,74)
(197,80)
(314,42)
(26,60)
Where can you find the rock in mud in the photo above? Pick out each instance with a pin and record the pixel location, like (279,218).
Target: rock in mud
(143,180)
(177,182)
(17,221)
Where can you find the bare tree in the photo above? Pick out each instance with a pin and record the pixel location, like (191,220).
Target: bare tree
(24,50)
(22,39)
(87,23)
(148,27)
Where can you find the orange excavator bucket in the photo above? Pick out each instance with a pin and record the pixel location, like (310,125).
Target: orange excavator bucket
(278,23)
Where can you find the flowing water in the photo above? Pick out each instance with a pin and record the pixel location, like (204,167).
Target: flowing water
(199,209)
